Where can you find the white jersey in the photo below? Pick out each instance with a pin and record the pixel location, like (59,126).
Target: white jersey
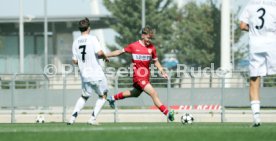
(260,15)
(85,49)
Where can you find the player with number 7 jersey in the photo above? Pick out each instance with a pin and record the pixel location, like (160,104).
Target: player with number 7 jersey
(86,54)
(85,49)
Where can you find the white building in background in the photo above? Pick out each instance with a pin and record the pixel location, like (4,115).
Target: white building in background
(63,17)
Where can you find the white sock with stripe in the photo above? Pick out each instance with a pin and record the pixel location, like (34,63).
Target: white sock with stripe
(255,107)
(98,106)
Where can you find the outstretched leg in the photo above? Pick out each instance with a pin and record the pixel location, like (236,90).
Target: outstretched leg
(154,96)
(128,93)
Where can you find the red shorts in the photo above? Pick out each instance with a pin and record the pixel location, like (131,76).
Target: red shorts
(140,84)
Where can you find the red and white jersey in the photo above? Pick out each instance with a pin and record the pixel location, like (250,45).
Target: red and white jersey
(141,58)
(85,49)
(260,15)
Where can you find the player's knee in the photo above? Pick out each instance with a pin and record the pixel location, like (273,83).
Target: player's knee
(136,95)
(85,97)
(104,95)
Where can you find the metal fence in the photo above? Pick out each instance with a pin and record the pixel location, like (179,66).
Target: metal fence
(35,91)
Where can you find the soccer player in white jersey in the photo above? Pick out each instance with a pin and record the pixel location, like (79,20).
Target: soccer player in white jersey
(86,53)
(259,18)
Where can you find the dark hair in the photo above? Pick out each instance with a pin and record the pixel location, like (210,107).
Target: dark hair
(147,30)
(84,24)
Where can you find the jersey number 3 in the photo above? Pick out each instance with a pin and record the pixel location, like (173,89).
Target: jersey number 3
(261,18)
(83,47)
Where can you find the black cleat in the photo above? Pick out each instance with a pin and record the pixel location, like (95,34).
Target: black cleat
(68,123)
(256,125)
(171,115)
(111,102)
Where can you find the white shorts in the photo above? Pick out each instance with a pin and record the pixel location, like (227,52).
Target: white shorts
(99,87)
(262,63)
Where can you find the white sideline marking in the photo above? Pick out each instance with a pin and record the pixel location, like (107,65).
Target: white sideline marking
(66,129)
(94,128)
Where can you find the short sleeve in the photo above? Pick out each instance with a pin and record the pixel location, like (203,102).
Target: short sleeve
(96,45)
(244,17)
(128,48)
(154,54)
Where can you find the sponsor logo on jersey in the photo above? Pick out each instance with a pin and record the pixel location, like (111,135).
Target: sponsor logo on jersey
(141,57)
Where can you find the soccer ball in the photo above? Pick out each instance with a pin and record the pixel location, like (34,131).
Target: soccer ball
(40,119)
(187,118)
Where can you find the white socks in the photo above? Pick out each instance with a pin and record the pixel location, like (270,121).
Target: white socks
(79,105)
(255,107)
(98,106)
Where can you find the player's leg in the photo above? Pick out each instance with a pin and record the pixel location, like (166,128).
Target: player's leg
(80,102)
(255,99)
(128,93)
(155,98)
(257,68)
(265,62)
(101,89)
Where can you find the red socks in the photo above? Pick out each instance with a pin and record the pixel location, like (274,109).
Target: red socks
(119,96)
(164,109)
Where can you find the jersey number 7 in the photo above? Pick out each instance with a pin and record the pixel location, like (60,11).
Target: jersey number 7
(83,47)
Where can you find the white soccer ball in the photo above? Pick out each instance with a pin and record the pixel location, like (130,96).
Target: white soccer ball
(187,118)
(40,119)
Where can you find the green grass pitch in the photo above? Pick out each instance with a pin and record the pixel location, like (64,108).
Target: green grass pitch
(137,131)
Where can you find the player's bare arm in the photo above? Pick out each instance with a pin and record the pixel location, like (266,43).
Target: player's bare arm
(244,26)
(160,68)
(115,53)
(75,62)
(102,55)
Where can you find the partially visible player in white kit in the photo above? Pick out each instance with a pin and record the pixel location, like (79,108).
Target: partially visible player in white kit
(259,18)
(86,54)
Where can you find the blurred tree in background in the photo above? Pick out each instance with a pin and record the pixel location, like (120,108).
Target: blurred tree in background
(197,34)
(192,32)
(241,48)
(1,42)
(160,14)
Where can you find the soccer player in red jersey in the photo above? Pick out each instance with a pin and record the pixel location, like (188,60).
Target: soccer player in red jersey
(142,51)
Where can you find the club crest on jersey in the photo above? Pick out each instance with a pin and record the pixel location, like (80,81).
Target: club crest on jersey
(143,82)
(150,51)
